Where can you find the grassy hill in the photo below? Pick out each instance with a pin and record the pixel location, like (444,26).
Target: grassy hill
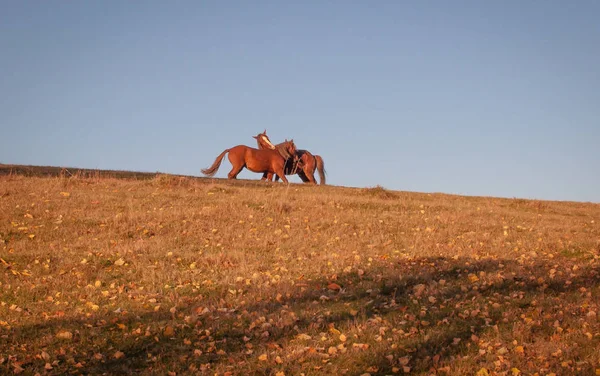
(128,273)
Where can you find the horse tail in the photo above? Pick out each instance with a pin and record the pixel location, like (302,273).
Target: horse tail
(216,164)
(321,168)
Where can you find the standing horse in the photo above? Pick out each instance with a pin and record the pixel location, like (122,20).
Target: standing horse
(304,163)
(268,161)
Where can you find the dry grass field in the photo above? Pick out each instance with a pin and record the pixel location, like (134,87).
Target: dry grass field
(174,276)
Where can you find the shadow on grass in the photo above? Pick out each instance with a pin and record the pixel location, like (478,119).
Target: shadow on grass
(425,311)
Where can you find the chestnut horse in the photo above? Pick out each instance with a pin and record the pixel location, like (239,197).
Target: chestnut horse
(304,163)
(268,161)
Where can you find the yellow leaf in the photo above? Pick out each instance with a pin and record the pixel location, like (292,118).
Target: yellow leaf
(64,335)
(515,371)
(98,284)
(263,357)
(519,350)
(169,331)
(482,372)
(120,262)
(65,194)
(343,338)
(473,278)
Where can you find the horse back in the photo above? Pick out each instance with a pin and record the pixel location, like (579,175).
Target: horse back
(250,152)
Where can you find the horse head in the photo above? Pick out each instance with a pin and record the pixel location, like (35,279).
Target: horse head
(263,141)
(290,147)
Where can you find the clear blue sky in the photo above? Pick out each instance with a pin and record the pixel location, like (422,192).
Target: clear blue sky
(493,98)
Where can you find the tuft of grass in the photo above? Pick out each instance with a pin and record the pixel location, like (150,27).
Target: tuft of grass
(379,192)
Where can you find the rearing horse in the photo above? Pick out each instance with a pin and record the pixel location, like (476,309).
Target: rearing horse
(304,163)
(268,161)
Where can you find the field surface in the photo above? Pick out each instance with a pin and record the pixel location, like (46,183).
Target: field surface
(168,275)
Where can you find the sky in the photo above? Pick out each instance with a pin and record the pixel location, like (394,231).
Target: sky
(485,98)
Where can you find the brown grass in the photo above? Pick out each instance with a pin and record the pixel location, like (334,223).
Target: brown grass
(198,276)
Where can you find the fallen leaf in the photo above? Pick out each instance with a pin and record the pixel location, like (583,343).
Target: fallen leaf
(169,331)
(64,335)
(404,360)
(119,262)
(418,289)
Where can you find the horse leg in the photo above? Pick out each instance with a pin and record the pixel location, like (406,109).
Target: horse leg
(310,175)
(236,168)
(303,176)
(281,174)
(309,170)
(234,172)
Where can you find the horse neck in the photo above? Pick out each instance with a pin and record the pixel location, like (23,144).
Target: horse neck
(282,149)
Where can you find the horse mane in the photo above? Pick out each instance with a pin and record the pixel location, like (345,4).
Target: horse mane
(282,149)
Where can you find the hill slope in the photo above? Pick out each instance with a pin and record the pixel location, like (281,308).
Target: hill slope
(183,275)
